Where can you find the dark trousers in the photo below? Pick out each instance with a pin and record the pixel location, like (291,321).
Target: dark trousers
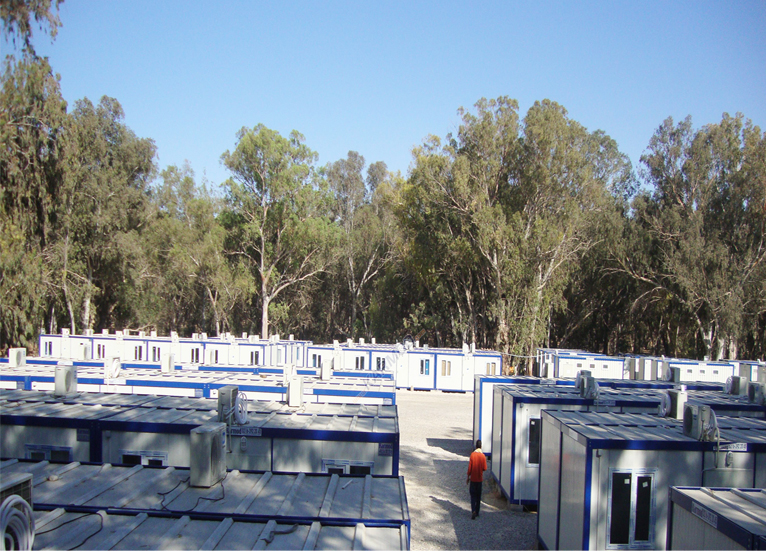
(475,490)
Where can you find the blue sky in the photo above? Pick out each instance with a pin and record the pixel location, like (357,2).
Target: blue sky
(378,77)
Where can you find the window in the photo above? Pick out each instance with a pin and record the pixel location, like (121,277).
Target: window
(606,367)
(48,452)
(49,348)
(155,354)
(491,368)
(195,355)
(279,356)
(424,366)
(215,357)
(579,364)
(254,357)
(347,467)
(360,363)
(100,351)
(138,353)
(631,509)
(533,456)
(381,363)
(446,367)
(150,458)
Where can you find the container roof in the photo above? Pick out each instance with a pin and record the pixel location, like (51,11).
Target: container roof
(245,494)
(647,431)
(738,513)
(193,411)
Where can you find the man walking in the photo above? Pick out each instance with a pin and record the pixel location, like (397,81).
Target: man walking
(477,465)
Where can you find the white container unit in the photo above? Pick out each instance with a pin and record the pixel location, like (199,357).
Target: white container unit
(317,438)
(677,370)
(567,365)
(701,518)
(516,428)
(605,478)
(482,404)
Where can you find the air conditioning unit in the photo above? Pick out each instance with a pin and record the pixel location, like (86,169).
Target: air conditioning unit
(65,332)
(65,381)
(580,376)
(756,392)
(19,484)
(167,364)
(295,391)
(589,388)
(112,367)
(82,351)
(678,400)
(227,397)
(17,357)
(692,421)
(671,373)
(736,385)
(208,454)
(699,422)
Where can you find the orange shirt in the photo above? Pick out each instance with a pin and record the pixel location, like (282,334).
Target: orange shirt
(477,465)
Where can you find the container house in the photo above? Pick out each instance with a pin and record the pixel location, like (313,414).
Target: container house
(605,477)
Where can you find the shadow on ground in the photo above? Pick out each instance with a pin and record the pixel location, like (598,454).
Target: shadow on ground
(456,446)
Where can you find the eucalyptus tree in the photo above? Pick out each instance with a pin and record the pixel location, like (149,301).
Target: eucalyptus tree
(702,227)
(563,183)
(363,251)
(101,211)
(279,212)
(194,285)
(32,138)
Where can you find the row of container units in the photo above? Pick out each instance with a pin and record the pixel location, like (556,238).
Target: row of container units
(484,385)
(199,349)
(516,424)
(411,365)
(202,383)
(566,363)
(605,478)
(316,438)
(724,518)
(158,508)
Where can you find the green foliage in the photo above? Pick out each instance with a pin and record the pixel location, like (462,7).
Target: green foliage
(17,18)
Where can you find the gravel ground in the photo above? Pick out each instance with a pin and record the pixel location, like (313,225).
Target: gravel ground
(436,433)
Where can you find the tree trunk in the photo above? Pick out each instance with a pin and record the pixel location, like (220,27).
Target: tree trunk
(265,316)
(733,348)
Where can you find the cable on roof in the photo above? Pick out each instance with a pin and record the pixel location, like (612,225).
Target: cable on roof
(17,524)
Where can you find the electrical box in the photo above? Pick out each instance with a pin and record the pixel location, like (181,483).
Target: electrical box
(208,454)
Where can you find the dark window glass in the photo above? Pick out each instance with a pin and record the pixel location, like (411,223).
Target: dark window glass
(643,507)
(338,471)
(37,455)
(60,456)
(534,441)
(155,462)
(131,459)
(360,470)
(619,529)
